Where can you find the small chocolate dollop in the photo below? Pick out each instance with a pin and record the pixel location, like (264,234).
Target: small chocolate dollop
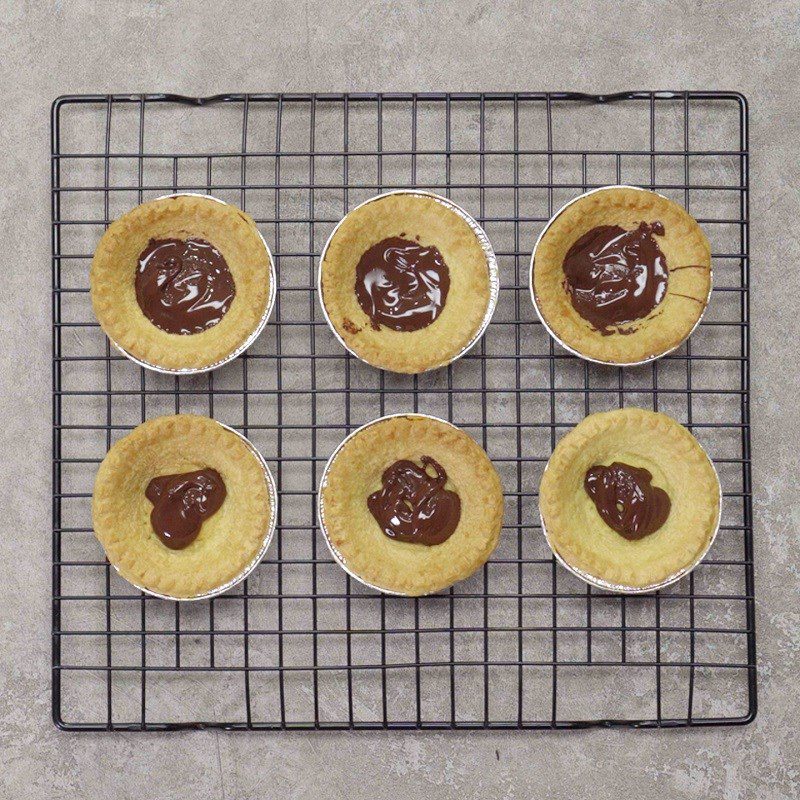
(401,284)
(626,500)
(183,286)
(182,502)
(615,277)
(413,505)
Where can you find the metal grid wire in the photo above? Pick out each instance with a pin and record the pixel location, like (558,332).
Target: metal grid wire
(521,644)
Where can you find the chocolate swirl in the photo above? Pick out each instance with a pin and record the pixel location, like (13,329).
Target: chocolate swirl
(615,277)
(183,286)
(626,500)
(413,505)
(182,502)
(401,284)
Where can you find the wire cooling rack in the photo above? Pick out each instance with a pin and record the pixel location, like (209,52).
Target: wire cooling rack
(521,644)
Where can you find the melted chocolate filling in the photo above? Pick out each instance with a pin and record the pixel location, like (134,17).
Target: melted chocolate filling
(401,284)
(413,505)
(615,277)
(626,500)
(182,502)
(183,286)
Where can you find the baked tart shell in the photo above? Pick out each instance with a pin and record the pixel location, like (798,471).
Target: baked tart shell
(231,543)
(583,543)
(354,538)
(474,280)
(670,323)
(182,216)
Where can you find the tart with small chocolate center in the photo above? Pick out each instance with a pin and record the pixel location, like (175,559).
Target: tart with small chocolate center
(182,506)
(629,499)
(182,282)
(410,504)
(408,281)
(621,275)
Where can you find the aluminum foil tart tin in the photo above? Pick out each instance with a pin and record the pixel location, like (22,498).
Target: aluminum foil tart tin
(337,556)
(491,266)
(250,339)
(268,536)
(550,330)
(617,588)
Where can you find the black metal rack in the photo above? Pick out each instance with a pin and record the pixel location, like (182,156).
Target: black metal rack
(522,644)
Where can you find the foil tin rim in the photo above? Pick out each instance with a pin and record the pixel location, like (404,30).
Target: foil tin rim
(257,331)
(337,556)
(556,337)
(255,561)
(619,588)
(491,267)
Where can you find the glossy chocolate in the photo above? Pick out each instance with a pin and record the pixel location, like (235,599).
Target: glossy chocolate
(182,502)
(413,505)
(183,286)
(401,284)
(615,277)
(626,500)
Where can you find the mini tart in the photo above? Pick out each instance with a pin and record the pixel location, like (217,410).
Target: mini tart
(228,541)
(466,251)
(354,536)
(114,266)
(670,322)
(679,465)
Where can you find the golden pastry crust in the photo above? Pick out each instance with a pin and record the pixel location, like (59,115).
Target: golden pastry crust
(688,290)
(228,541)
(401,567)
(113,271)
(679,465)
(468,300)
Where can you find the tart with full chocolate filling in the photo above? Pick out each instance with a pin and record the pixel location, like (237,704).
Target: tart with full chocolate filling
(629,499)
(181,283)
(621,275)
(410,505)
(407,281)
(182,506)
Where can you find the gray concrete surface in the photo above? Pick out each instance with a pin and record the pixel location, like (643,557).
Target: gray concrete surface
(49,48)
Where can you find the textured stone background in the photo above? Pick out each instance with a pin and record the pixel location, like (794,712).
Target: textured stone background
(49,48)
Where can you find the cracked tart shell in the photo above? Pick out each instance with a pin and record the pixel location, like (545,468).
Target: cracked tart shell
(688,259)
(399,567)
(183,216)
(229,543)
(678,464)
